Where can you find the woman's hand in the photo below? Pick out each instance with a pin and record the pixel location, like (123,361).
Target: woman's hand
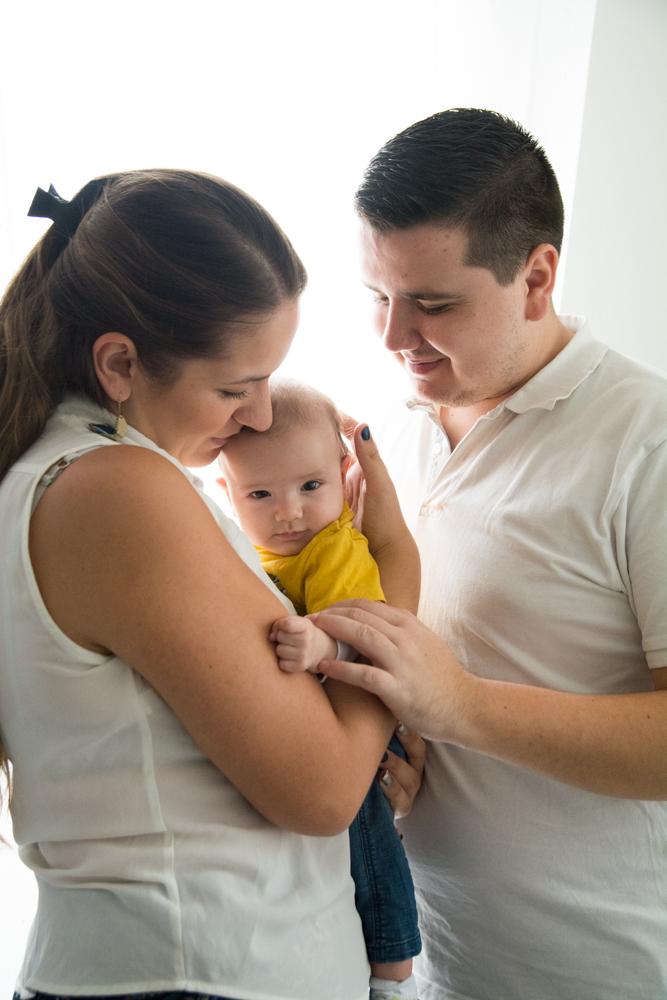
(370,491)
(401,779)
(389,540)
(411,670)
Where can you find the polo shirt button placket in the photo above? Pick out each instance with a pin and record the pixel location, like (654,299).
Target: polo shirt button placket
(436,461)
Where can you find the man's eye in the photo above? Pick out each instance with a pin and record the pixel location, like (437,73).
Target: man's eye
(435,310)
(259,494)
(228,394)
(312,484)
(380,300)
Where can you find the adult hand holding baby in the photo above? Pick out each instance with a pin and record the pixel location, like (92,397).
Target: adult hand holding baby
(412,671)
(370,490)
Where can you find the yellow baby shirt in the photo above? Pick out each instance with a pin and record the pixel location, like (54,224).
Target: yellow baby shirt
(335,565)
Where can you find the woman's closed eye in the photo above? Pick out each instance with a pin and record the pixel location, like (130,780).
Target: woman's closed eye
(228,394)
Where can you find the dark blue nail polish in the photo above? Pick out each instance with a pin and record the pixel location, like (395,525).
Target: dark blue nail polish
(366,433)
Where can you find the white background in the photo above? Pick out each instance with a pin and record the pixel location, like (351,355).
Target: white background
(290,100)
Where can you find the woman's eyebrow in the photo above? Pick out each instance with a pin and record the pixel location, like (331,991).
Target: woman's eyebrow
(249,378)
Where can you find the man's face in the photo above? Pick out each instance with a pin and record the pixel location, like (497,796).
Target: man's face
(460,336)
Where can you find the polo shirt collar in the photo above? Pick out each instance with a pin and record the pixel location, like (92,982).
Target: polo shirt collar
(565,373)
(557,380)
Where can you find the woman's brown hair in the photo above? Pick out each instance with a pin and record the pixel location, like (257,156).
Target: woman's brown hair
(173,259)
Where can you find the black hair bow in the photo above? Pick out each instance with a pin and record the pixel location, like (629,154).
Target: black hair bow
(66,215)
(49,205)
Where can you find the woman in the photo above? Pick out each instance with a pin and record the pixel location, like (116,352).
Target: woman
(181,801)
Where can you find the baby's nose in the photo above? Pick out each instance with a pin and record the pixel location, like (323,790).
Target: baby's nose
(289,510)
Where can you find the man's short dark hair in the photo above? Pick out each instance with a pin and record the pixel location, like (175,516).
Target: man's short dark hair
(472,169)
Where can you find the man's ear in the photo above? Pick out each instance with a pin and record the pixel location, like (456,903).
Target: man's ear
(540,278)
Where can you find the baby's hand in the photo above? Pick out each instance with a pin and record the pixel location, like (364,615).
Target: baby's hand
(301,645)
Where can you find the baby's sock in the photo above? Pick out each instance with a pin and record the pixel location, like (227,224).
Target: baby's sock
(389,989)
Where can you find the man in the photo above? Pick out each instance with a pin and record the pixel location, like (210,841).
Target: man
(532,465)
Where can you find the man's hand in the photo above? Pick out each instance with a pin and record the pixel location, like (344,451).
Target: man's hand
(300,645)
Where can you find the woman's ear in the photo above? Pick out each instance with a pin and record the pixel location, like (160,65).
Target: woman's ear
(115,361)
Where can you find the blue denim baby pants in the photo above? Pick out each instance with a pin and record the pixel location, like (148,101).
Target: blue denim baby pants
(384,893)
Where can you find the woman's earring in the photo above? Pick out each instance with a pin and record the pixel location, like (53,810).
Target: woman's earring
(121,423)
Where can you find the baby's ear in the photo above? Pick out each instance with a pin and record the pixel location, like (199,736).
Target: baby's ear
(345,463)
(221,481)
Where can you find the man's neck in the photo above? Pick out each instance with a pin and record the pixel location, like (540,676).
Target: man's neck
(458,420)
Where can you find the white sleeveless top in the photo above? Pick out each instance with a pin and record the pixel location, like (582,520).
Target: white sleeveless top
(154,873)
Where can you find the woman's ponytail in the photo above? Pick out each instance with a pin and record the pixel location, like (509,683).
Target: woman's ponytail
(28,340)
(30,384)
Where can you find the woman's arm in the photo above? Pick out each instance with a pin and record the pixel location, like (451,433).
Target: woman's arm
(129,560)
(612,744)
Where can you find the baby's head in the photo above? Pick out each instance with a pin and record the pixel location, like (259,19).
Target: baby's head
(287,483)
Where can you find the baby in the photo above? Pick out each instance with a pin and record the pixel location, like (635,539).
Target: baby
(287,487)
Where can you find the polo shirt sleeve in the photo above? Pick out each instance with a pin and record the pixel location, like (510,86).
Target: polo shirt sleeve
(642,533)
(341,568)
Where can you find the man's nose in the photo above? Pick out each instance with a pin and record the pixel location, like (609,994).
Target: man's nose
(400,331)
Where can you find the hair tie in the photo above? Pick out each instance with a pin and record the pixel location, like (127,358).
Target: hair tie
(66,215)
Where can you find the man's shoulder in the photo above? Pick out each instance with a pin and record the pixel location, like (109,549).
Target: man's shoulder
(627,368)
(628,390)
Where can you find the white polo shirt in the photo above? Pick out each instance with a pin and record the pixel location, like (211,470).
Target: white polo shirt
(543,539)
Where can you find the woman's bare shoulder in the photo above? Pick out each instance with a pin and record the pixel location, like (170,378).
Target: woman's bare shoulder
(123,518)
(122,471)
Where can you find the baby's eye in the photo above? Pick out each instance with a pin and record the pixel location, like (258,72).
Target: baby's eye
(312,484)
(259,494)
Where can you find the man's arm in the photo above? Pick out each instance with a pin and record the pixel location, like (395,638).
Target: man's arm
(612,744)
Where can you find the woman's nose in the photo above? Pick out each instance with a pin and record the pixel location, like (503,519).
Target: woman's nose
(257,413)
